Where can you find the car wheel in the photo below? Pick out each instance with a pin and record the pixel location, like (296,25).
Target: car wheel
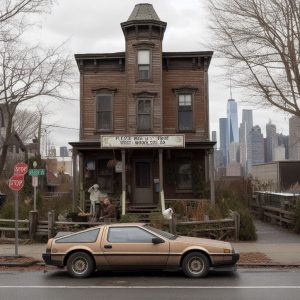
(195,265)
(80,265)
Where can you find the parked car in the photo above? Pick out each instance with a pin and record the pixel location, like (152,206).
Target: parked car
(137,246)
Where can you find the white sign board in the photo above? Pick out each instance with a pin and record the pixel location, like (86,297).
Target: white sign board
(118,167)
(143,141)
(35,181)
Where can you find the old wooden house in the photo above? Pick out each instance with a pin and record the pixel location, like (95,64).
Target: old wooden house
(144,118)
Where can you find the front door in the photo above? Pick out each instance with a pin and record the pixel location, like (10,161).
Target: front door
(143,186)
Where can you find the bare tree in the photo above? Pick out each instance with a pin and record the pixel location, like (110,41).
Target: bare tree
(10,9)
(26,124)
(26,72)
(260,40)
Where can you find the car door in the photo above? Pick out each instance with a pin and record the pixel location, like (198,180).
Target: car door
(133,246)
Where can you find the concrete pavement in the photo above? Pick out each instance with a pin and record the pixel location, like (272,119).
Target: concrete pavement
(280,245)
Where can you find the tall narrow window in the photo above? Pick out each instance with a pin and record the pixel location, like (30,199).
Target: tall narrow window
(144,114)
(184,176)
(185,112)
(144,64)
(104,112)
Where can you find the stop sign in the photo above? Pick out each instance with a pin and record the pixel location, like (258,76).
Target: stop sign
(16,182)
(20,169)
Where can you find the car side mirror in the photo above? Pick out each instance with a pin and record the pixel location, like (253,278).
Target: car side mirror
(157,240)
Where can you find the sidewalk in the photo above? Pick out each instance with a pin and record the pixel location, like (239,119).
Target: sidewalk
(282,247)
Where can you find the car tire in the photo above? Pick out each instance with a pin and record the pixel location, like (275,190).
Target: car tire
(80,265)
(195,265)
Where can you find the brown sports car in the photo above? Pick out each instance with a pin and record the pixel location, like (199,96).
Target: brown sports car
(137,246)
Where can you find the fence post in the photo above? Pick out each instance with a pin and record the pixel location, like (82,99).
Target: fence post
(51,222)
(172,224)
(236,218)
(33,223)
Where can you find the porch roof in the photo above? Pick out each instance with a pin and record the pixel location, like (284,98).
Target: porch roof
(189,144)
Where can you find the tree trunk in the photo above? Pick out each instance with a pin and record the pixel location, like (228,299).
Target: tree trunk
(5,146)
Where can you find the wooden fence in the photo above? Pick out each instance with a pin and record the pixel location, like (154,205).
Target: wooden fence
(8,225)
(217,229)
(281,212)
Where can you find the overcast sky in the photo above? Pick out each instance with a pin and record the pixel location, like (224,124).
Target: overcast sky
(93,26)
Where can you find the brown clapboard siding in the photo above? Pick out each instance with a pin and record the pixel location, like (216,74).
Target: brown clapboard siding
(177,78)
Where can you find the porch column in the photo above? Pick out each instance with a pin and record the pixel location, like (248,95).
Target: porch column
(212,176)
(74,167)
(161,179)
(81,176)
(123,200)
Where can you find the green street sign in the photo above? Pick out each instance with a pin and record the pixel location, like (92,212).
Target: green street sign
(36,172)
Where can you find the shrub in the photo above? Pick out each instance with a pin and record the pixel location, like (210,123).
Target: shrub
(247,228)
(7,211)
(129,218)
(157,220)
(230,200)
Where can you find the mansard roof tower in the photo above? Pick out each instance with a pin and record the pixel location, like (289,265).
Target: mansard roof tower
(144,33)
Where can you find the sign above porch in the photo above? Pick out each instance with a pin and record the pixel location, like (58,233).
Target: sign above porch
(142,141)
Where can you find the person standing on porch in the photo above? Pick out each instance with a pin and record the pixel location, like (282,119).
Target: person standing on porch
(95,195)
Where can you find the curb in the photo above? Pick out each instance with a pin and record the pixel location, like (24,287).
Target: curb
(267,265)
(18,264)
(15,264)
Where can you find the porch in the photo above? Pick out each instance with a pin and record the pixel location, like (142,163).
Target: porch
(140,177)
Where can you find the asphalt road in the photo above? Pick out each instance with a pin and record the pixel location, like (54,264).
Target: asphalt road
(245,284)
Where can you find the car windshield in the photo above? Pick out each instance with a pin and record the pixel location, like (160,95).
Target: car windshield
(165,234)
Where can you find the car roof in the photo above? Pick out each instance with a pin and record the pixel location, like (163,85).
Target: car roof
(125,224)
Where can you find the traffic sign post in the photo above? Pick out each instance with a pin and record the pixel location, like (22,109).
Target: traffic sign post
(16,182)
(35,183)
(36,172)
(20,169)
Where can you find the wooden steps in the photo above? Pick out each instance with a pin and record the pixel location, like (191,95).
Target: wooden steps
(142,211)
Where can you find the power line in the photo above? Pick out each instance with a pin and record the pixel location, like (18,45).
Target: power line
(64,127)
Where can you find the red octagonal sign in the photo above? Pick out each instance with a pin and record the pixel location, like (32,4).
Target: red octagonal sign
(16,182)
(20,169)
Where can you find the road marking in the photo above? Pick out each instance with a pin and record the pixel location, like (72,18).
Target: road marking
(144,287)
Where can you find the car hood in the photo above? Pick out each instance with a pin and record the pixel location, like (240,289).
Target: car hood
(202,241)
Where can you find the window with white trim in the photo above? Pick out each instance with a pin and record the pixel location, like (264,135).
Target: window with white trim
(185,112)
(104,112)
(144,65)
(144,114)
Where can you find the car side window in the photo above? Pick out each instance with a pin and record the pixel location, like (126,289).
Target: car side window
(129,235)
(82,237)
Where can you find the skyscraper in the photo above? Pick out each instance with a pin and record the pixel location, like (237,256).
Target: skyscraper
(271,141)
(223,140)
(245,127)
(232,122)
(294,142)
(63,151)
(256,146)
(283,140)
(247,118)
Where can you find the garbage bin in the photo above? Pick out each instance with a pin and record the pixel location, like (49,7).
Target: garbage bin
(2,199)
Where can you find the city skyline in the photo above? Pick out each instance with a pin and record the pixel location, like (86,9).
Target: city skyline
(252,147)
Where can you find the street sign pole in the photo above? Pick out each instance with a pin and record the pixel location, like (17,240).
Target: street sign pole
(16,223)
(34,198)
(15,183)
(34,184)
